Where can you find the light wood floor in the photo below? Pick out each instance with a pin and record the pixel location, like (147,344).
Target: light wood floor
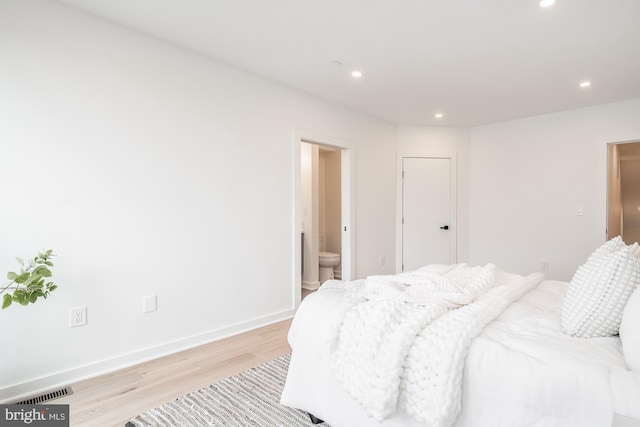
(113,399)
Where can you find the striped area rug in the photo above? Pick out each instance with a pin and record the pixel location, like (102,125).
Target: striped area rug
(251,398)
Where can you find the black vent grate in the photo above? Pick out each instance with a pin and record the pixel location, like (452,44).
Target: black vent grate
(44,397)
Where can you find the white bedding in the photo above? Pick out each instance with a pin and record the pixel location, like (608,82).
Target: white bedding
(521,370)
(389,353)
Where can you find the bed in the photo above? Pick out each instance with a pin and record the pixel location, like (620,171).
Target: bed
(530,363)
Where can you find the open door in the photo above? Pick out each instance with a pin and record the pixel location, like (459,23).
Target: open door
(623,197)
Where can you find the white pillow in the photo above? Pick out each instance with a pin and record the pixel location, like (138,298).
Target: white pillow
(635,251)
(599,291)
(607,248)
(630,332)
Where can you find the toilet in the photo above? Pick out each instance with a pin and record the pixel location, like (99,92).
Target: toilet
(328,260)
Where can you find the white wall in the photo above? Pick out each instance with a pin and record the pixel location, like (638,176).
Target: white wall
(153,170)
(420,141)
(529,176)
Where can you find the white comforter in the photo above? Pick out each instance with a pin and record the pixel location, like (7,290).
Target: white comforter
(403,338)
(521,370)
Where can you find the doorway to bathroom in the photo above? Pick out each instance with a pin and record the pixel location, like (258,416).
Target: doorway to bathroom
(623,198)
(322,211)
(321,222)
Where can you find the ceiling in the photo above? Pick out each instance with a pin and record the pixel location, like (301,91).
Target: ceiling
(474,61)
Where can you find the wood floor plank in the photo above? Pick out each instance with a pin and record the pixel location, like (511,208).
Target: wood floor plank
(115,398)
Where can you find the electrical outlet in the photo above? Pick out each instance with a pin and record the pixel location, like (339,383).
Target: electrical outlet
(149,303)
(77,316)
(382,260)
(545,265)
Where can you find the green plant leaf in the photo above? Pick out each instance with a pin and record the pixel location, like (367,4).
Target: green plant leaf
(35,285)
(22,278)
(42,271)
(29,281)
(21,297)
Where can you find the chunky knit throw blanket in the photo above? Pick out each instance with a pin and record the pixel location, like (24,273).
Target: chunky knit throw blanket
(401,340)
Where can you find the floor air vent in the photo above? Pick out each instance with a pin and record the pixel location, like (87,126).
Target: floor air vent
(44,397)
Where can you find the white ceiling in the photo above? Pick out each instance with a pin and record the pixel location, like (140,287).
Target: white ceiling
(476,61)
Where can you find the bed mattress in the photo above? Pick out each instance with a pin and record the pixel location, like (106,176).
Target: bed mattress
(520,370)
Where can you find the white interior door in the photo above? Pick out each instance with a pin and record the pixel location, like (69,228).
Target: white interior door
(427,217)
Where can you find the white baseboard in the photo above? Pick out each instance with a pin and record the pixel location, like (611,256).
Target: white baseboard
(621,421)
(311,286)
(20,391)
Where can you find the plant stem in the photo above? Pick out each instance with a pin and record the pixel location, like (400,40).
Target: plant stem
(6,287)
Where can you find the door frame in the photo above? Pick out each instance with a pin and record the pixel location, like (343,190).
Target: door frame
(347,186)
(453,206)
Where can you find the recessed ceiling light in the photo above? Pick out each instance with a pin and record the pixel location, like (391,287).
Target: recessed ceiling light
(547,3)
(439,115)
(357,74)
(585,84)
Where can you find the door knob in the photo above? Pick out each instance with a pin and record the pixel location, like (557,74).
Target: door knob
(444,227)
